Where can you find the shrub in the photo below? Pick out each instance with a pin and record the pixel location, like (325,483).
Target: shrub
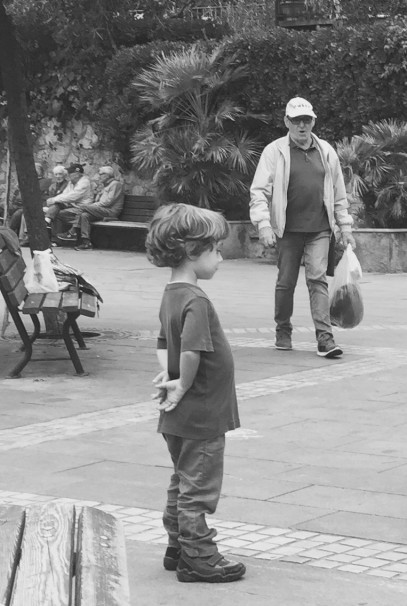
(346,73)
(195,150)
(374,166)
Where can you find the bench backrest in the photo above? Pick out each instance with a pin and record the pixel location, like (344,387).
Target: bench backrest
(138,208)
(12,269)
(41,551)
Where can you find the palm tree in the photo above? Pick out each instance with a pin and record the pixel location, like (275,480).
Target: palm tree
(195,150)
(374,167)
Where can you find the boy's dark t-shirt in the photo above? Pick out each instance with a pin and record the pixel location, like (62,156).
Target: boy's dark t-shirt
(189,322)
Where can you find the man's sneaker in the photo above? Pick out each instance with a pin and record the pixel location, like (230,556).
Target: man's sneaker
(283,341)
(171,558)
(84,246)
(66,236)
(215,569)
(328,349)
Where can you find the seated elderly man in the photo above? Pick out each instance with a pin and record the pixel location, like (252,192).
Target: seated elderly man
(108,203)
(77,194)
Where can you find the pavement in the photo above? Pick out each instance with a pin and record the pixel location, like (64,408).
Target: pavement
(314,499)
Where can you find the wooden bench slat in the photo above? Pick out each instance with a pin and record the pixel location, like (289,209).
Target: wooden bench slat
(44,573)
(52,301)
(11,532)
(136,215)
(70,300)
(140,199)
(14,274)
(101,567)
(88,305)
(122,224)
(32,304)
(18,294)
(7,259)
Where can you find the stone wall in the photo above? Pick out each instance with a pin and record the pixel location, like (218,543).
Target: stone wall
(78,142)
(378,250)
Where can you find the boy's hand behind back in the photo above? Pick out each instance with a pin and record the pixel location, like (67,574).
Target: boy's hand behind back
(162,377)
(174,392)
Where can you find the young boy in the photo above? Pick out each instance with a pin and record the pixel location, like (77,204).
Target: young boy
(196,389)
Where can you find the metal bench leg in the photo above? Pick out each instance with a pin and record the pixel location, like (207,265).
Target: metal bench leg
(27,345)
(70,319)
(77,333)
(37,329)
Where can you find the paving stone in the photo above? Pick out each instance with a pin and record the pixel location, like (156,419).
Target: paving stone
(324,564)
(288,550)
(303,535)
(275,531)
(371,562)
(402,568)
(295,559)
(329,538)
(315,553)
(233,543)
(254,536)
(382,573)
(363,552)
(353,568)
(337,548)
(342,557)
(393,556)
(266,556)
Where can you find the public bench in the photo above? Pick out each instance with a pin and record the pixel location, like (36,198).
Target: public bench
(74,302)
(56,554)
(133,220)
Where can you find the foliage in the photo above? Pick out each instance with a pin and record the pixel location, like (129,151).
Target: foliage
(67,45)
(346,73)
(374,166)
(195,149)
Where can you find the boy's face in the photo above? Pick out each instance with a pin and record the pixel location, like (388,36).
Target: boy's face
(206,265)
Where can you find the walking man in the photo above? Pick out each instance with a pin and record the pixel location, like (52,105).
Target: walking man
(297,195)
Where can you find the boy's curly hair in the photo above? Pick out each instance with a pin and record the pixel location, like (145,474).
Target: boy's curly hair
(179,231)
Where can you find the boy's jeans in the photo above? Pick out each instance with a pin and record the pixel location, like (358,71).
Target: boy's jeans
(291,247)
(194,490)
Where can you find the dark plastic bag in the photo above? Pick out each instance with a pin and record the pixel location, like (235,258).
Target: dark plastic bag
(345,295)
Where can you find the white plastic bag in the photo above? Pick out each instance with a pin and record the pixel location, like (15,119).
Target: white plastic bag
(345,295)
(40,276)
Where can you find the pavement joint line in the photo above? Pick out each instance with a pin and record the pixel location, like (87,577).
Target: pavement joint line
(151,334)
(383,559)
(117,416)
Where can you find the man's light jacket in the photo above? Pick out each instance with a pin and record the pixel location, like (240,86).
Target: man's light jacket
(268,191)
(111,198)
(80,194)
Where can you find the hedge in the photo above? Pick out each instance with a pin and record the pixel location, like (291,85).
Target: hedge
(351,76)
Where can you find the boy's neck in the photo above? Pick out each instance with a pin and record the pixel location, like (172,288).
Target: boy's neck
(184,273)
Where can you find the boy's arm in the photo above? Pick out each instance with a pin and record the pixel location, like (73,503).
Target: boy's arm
(162,356)
(177,388)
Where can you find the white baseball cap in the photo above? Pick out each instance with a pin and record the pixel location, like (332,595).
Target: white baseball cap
(299,107)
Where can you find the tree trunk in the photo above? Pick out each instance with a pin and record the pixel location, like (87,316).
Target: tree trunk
(20,136)
(20,142)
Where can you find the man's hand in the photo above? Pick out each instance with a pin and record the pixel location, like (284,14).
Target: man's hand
(267,237)
(347,238)
(169,394)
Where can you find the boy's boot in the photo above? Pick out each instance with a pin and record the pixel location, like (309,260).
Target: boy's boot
(171,558)
(214,569)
